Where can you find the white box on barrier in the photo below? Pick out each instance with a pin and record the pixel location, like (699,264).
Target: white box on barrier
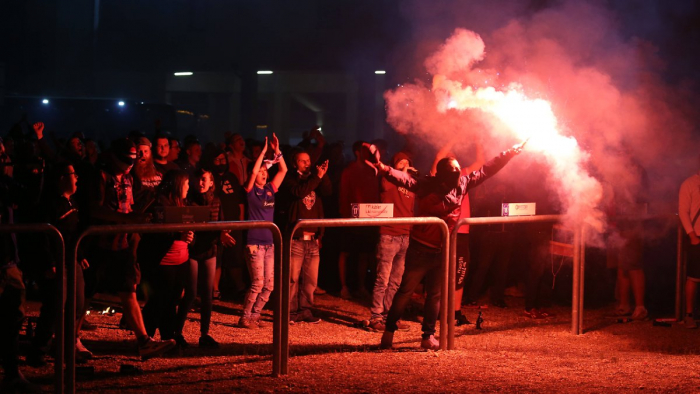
(518,209)
(372,210)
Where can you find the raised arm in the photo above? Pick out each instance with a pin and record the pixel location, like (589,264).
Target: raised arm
(256,168)
(279,177)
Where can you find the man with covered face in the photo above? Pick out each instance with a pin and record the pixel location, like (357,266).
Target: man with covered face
(441,196)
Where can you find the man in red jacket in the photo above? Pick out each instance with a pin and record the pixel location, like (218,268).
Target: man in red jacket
(441,196)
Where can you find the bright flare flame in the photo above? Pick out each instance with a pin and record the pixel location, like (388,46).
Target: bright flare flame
(531,119)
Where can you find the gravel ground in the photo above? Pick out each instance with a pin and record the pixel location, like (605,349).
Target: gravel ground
(511,353)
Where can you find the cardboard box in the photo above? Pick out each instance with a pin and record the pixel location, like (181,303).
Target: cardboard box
(518,209)
(372,211)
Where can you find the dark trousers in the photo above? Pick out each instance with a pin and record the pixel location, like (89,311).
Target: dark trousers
(12,294)
(493,252)
(422,263)
(538,285)
(160,311)
(50,302)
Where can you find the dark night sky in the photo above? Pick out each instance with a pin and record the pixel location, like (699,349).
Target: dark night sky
(53,46)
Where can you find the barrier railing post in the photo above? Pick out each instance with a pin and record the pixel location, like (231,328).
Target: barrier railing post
(277,357)
(305,223)
(59,379)
(452,282)
(680,273)
(577,289)
(277,368)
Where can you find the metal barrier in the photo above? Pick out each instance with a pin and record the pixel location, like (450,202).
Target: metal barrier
(306,223)
(508,220)
(61,299)
(164,228)
(579,262)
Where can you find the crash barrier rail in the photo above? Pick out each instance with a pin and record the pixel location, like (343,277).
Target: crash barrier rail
(312,223)
(60,285)
(579,261)
(166,228)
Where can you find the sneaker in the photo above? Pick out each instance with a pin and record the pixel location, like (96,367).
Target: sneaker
(260,323)
(245,322)
(376,325)
(345,293)
(460,319)
(319,291)
(207,342)
(430,343)
(311,319)
(401,326)
(18,385)
(689,322)
(81,352)
(622,311)
(181,342)
(640,313)
(533,313)
(152,348)
(387,340)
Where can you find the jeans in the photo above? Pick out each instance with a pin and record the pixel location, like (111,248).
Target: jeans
(422,264)
(304,278)
(261,266)
(200,279)
(391,259)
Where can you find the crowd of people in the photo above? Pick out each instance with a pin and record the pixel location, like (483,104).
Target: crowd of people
(72,184)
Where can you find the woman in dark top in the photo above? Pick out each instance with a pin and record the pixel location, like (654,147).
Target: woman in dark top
(260,252)
(202,263)
(167,255)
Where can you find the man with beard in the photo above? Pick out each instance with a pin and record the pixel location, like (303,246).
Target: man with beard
(441,196)
(161,153)
(111,203)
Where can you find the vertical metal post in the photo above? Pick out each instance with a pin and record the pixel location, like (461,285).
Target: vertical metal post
(447,295)
(284,295)
(576,288)
(452,281)
(60,329)
(277,308)
(71,333)
(582,276)
(680,273)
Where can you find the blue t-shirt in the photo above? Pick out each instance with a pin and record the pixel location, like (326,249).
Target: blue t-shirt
(261,206)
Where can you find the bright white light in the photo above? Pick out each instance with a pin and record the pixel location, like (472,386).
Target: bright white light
(264,72)
(183,73)
(380,72)
(45,101)
(121,103)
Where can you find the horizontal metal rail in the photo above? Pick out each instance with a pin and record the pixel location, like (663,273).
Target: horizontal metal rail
(61,295)
(166,228)
(307,223)
(453,252)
